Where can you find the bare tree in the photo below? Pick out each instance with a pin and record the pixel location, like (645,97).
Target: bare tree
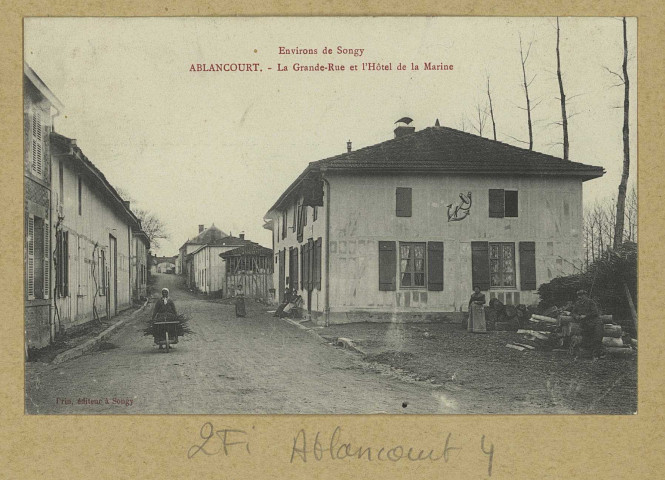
(621,199)
(153,227)
(562,95)
(489,97)
(481,119)
(524,57)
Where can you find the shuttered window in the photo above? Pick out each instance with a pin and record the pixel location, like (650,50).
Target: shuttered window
(310,264)
(503,203)
(293,267)
(47,259)
(435,266)
(37,144)
(30,267)
(528,265)
(62,263)
(497,203)
(480,271)
(387,266)
(317,263)
(412,264)
(284,224)
(403,202)
(511,203)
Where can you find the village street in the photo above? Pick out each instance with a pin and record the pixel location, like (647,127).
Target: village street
(257,364)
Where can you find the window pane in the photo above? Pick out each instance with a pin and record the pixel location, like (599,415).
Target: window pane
(419,279)
(419,265)
(406,280)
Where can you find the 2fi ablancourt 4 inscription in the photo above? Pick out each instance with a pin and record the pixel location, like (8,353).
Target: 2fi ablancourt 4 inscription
(319,447)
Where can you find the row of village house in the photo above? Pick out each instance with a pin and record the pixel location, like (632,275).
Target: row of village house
(86,256)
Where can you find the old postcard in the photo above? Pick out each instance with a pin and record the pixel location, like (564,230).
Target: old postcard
(330,215)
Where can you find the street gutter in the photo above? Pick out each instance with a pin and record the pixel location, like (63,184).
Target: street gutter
(89,345)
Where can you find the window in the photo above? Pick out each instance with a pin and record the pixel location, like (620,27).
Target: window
(300,224)
(284,223)
(412,264)
(403,202)
(62,264)
(502,264)
(38,263)
(503,203)
(61,182)
(37,143)
(80,194)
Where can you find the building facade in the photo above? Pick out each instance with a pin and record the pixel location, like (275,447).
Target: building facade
(40,107)
(84,249)
(405,229)
(140,256)
(97,239)
(208,269)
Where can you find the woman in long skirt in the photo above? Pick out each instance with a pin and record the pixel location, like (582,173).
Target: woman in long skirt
(477,312)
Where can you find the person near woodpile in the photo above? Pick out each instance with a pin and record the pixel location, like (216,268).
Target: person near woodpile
(476,321)
(164,304)
(586,311)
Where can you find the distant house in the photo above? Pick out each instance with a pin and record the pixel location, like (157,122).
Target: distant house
(249,270)
(410,225)
(101,253)
(140,254)
(204,237)
(207,270)
(40,106)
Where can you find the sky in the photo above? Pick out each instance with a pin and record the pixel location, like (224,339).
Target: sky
(220,147)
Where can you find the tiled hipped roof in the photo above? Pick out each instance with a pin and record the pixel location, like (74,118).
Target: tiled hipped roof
(442,149)
(446,150)
(253,249)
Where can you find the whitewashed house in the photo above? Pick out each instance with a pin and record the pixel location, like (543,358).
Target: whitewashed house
(100,252)
(404,229)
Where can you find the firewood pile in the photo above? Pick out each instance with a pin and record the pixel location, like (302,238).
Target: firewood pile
(557,329)
(183,327)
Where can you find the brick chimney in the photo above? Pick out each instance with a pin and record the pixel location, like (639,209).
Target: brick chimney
(348,146)
(402,130)
(242,236)
(201,228)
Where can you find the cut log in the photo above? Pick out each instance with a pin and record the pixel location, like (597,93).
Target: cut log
(620,351)
(542,318)
(607,318)
(613,342)
(516,347)
(612,331)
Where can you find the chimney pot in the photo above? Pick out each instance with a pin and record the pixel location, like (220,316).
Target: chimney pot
(242,236)
(201,228)
(348,146)
(402,130)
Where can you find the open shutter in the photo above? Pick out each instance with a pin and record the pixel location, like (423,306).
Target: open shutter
(497,203)
(317,277)
(480,265)
(47,259)
(403,202)
(37,143)
(435,266)
(528,265)
(387,266)
(310,264)
(30,274)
